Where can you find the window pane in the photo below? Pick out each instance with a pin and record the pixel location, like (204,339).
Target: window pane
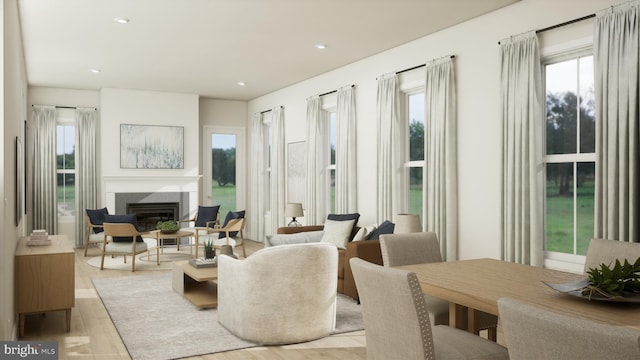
(223,171)
(587,107)
(561,102)
(585,206)
(332,191)
(559,209)
(415,191)
(333,133)
(65,147)
(66,194)
(416,127)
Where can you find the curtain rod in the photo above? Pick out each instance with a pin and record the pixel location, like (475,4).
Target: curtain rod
(331,92)
(418,67)
(564,24)
(266,111)
(67,107)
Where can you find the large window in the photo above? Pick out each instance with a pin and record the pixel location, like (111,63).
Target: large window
(331,168)
(415,152)
(66,169)
(569,154)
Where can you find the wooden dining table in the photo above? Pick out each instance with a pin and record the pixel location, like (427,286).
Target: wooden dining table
(476,285)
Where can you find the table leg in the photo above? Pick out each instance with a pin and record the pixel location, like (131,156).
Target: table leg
(21,324)
(457,316)
(68,320)
(473,325)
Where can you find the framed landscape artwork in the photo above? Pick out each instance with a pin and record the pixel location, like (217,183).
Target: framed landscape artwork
(151,147)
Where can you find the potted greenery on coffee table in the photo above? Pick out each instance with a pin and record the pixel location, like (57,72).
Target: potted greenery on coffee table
(167,227)
(208,250)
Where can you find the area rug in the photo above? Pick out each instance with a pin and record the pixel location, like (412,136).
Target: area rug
(155,322)
(144,261)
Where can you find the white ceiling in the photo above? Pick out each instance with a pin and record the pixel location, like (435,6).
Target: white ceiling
(207,46)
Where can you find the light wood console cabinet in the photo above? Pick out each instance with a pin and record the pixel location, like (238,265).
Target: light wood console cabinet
(45,278)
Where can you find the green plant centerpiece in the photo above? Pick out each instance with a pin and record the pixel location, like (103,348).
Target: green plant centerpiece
(622,280)
(167,227)
(208,249)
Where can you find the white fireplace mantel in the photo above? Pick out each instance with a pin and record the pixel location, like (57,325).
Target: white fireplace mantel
(125,184)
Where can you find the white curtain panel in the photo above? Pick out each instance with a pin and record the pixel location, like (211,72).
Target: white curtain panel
(389,171)
(522,170)
(277,169)
(440,174)
(257,205)
(617,144)
(45,212)
(86,177)
(317,161)
(346,191)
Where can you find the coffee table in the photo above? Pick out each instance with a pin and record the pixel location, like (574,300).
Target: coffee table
(160,236)
(196,284)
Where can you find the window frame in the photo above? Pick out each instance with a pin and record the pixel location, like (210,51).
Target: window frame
(66,117)
(556,54)
(410,84)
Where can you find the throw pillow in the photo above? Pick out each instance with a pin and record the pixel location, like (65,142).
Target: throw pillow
(205,214)
(96,217)
(346,217)
(385,228)
(231,215)
(337,232)
(364,232)
(297,238)
(123,219)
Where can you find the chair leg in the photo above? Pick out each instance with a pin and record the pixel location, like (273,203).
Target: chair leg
(244,252)
(86,247)
(492,333)
(102,261)
(133,263)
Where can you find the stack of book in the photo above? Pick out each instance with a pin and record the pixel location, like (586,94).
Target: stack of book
(39,237)
(203,263)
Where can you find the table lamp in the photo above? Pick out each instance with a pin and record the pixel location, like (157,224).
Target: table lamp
(294,210)
(407,223)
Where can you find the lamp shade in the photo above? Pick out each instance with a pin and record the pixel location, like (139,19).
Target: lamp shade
(293,210)
(407,223)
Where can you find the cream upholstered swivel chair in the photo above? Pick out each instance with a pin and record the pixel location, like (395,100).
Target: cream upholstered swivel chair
(281,294)
(607,251)
(538,334)
(424,248)
(397,324)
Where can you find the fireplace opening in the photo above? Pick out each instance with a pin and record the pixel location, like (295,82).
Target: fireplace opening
(148,214)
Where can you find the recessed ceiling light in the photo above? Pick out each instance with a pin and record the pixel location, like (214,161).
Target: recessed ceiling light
(321,46)
(95,71)
(241,83)
(120,20)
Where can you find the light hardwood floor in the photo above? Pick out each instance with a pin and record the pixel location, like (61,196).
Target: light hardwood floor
(93,335)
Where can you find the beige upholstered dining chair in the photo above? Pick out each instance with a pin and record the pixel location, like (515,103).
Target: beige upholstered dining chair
(424,248)
(397,324)
(538,334)
(132,243)
(607,251)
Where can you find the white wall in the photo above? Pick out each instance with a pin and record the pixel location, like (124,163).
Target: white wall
(475,44)
(13,108)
